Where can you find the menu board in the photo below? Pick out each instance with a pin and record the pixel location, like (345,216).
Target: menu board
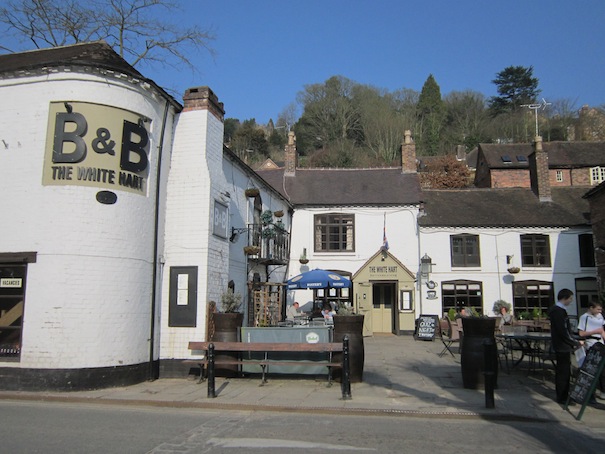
(588,376)
(426,327)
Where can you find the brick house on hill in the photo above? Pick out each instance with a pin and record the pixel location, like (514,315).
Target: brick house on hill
(569,164)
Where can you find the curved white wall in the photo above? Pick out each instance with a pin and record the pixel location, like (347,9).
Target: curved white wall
(88,298)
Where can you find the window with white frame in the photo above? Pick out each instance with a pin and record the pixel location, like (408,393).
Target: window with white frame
(597,175)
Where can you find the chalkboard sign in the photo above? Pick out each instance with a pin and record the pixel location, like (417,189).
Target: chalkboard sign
(426,327)
(588,376)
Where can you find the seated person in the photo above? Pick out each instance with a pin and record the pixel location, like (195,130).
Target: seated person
(293,311)
(506,317)
(327,311)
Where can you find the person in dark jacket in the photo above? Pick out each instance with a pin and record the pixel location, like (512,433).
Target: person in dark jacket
(563,343)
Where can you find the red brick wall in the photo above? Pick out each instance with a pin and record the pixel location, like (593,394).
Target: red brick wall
(510,178)
(597,218)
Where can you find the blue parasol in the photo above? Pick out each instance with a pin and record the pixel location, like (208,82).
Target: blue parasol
(318,279)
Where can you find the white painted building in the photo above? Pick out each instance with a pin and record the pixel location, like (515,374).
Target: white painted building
(118,206)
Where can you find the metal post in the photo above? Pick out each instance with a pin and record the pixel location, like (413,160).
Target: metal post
(489,359)
(346,371)
(211,390)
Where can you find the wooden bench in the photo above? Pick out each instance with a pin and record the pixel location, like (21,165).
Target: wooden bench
(209,350)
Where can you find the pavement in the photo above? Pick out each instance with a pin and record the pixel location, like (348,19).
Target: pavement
(402,377)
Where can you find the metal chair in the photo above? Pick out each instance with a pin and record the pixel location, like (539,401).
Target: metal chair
(450,337)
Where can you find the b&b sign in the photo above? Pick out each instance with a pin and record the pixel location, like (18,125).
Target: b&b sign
(426,327)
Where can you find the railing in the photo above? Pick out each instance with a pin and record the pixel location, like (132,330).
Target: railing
(273,241)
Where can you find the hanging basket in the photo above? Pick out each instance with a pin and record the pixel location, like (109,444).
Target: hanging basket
(514,269)
(251,250)
(303,261)
(252,192)
(278,214)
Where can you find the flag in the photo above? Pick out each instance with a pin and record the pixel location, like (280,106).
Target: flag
(385,242)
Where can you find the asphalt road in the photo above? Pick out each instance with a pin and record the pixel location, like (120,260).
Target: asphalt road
(43,427)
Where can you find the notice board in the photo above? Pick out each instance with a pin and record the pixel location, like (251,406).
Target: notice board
(426,327)
(588,376)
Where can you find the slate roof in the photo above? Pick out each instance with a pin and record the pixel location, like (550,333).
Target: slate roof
(352,187)
(96,54)
(560,154)
(505,207)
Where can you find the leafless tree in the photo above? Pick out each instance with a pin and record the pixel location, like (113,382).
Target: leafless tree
(136,29)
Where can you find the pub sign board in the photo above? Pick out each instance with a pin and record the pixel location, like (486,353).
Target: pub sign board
(426,327)
(588,377)
(96,145)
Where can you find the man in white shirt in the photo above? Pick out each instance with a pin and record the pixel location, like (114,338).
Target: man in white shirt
(590,327)
(292,311)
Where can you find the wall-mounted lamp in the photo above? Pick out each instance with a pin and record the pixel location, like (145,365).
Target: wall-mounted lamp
(235,232)
(509,259)
(426,265)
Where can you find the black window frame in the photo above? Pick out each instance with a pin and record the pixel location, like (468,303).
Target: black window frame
(464,258)
(465,294)
(332,231)
(527,293)
(535,250)
(586,250)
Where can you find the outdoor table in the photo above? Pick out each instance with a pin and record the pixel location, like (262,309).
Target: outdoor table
(534,344)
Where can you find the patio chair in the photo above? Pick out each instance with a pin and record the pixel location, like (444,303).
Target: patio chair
(449,337)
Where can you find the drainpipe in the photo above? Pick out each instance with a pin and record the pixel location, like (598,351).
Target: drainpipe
(153,369)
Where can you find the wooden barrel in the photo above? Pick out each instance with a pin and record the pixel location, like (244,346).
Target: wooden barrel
(476,331)
(352,326)
(226,329)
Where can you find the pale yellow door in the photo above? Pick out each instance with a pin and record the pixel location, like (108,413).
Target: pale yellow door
(383,298)
(365,309)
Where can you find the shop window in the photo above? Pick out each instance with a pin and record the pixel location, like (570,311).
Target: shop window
(12,299)
(464,250)
(535,250)
(462,293)
(334,232)
(529,296)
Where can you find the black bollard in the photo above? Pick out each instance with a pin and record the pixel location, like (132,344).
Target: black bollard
(346,371)
(489,357)
(211,390)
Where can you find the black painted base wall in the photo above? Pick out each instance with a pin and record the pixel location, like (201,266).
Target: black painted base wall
(19,379)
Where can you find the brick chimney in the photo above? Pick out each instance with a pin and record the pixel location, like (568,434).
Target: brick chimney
(408,154)
(291,157)
(538,172)
(203,98)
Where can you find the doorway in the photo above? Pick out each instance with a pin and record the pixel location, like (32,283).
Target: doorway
(383,302)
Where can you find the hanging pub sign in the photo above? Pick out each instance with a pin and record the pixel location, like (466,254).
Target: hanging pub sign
(96,145)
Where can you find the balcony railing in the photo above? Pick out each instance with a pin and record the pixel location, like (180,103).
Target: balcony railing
(273,241)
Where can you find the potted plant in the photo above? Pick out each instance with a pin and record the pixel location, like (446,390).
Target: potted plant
(347,323)
(266,217)
(251,250)
(303,258)
(499,304)
(252,192)
(226,327)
